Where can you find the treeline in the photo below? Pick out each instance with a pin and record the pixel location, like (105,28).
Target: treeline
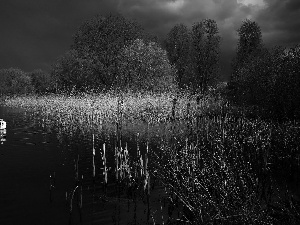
(195,53)
(268,78)
(113,52)
(15,82)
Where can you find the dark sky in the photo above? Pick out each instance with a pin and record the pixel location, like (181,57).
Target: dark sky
(35,32)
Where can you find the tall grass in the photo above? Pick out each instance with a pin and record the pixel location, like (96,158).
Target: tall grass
(221,165)
(100,112)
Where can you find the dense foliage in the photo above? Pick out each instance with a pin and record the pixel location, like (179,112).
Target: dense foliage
(41,81)
(205,53)
(14,81)
(249,45)
(17,82)
(178,44)
(114,52)
(145,67)
(92,60)
(265,78)
(195,53)
(73,72)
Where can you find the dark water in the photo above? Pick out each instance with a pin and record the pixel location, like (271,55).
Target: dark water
(31,152)
(28,156)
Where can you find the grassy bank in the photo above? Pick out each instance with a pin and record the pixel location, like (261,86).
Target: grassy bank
(102,111)
(222,165)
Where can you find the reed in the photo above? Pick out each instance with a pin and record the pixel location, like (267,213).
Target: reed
(51,186)
(224,173)
(94,153)
(71,203)
(105,170)
(102,111)
(213,160)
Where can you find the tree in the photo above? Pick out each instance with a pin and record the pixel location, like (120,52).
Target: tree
(205,52)
(100,41)
(178,48)
(287,83)
(40,80)
(71,72)
(270,80)
(14,81)
(249,44)
(145,66)
(255,78)
(277,86)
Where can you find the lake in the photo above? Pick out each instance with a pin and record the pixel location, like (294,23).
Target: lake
(35,155)
(28,156)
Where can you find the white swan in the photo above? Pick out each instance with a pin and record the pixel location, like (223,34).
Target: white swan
(2,124)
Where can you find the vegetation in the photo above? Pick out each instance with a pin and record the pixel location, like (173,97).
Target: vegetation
(72,72)
(249,45)
(41,81)
(209,152)
(178,44)
(145,67)
(220,149)
(17,82)
(14,81)
(205,53)
(195,54)
(265,78)
(91,61)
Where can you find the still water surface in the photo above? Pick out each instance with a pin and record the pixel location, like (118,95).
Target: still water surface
(28,156)
(31,152)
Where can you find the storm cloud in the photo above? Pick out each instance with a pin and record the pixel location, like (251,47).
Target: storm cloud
(34,33)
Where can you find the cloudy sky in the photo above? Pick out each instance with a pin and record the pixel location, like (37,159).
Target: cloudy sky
(33,33)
